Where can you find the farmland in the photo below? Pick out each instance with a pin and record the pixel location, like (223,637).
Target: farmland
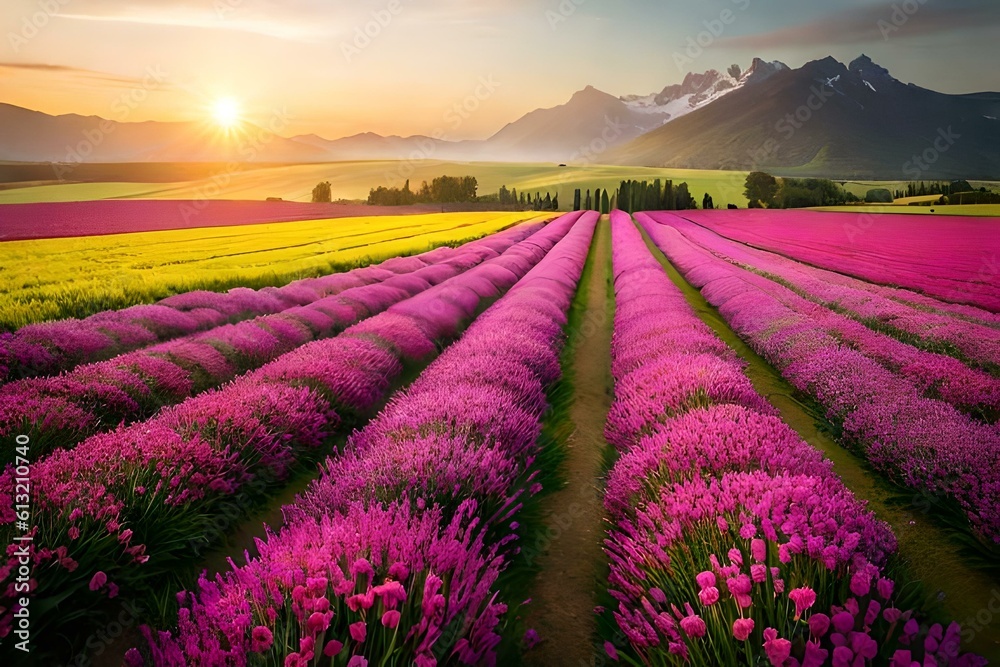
(707,438)
(76,277)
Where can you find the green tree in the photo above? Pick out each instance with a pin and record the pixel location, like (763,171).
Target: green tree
(760,189)
(878,196)
(605,203)
(322,193)
(735,71)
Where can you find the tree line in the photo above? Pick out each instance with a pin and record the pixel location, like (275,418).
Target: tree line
(632,196)
(765,191)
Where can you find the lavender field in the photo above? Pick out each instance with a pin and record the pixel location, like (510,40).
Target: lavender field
(627,440)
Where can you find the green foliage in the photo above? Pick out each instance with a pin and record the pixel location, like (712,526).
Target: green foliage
(442,190)
(322,193)
(879,196)
(761,189)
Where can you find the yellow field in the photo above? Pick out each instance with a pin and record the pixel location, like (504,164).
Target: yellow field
(75,277)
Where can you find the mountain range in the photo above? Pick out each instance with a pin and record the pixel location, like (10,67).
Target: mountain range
(822,119)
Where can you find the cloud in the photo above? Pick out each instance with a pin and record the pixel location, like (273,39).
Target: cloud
(874,24)
(248,16)
(104,77)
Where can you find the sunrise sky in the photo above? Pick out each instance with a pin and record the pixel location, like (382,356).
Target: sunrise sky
(175,60)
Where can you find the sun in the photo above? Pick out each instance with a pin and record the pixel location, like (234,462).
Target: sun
(226,112)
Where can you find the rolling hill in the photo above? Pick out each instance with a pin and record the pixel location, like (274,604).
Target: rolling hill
(836,120)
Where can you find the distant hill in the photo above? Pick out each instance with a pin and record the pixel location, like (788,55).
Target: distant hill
(32,136)
(825,119)
(828,119)
(584,126)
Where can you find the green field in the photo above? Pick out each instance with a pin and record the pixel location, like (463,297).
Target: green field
(353,180)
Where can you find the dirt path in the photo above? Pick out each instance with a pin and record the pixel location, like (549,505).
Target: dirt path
(563,607)
(967,595)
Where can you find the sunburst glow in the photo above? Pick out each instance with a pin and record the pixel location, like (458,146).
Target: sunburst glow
(226,112)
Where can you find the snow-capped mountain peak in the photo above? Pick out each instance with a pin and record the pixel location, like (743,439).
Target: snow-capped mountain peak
(700,89)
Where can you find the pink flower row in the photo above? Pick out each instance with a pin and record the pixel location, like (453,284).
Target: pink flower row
(392,556)
(732,539)
(51,347)
(918,442)
(58,412)
(144,501)
(940,374)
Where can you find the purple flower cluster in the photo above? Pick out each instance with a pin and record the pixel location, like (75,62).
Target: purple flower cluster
(425,493)
(60,411)
(732,540)
(353,586)
(918,442)
(51,347)
(143,498)
(938,375)
(948,257)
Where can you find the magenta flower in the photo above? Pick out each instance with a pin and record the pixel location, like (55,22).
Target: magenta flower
(758,550)
(843,622)
(332,648)
(709,596)
(134,659)
(390,619)
(777,650)
(358,631)
(742,628)
(357,661)
(819,625)
(740,585)
(748,531)
(816,656)
(317,623)
(736,557)
(842,657)
(804,598)
(885,588)
(612,652)
(705,579)
(98,580)
(694,626)
(531,639)
(261,639)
